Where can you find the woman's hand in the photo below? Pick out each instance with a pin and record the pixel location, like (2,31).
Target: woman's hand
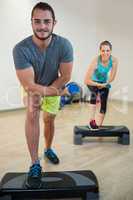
(102,85)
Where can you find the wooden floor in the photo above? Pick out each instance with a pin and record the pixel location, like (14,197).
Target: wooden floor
(111,162)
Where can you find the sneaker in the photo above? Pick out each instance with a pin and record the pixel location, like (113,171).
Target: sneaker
(34,177)
(93,125)
(50,154)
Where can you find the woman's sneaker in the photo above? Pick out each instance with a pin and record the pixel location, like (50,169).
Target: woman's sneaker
(93,125)
(50,155)
(34,177)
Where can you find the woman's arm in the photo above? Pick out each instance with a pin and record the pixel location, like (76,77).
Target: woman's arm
(88,77)
(113,70)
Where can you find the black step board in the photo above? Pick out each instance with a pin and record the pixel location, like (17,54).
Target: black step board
(105,131)
(65,184)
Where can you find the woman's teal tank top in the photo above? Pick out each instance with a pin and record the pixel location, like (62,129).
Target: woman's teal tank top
(101,72)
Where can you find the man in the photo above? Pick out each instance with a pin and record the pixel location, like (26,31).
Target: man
(43,65)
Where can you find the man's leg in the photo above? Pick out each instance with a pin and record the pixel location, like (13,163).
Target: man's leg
(50,107)
(32,131)
(48,129)
(49,120)
(32,128)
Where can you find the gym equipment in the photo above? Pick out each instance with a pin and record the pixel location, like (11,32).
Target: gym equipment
(65,184)
(122,132)
(75,91)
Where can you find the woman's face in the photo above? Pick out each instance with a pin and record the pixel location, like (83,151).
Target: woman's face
(105,52)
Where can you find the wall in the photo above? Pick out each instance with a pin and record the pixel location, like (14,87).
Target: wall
(114,23)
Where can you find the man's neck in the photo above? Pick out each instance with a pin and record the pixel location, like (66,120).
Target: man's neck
(42,44)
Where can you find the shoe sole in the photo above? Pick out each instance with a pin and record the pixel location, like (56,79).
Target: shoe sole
(55,163)
(92,129)
(27,186)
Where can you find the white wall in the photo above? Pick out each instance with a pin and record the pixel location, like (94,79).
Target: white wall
(114,23)
(14,27)
(85,25)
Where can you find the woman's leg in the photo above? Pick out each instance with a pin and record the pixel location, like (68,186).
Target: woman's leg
(103,108)
(92,104)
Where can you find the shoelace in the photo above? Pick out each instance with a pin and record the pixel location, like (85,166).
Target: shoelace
(35,170)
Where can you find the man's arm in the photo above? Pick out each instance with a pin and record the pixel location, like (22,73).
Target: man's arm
(65,65)
(26,78)
(65,71)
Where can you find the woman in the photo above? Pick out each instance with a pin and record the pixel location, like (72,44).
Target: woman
(100,74)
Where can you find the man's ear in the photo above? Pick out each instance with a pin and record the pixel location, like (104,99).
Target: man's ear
(55,22)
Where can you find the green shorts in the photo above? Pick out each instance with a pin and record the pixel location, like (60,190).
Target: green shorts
(50,104)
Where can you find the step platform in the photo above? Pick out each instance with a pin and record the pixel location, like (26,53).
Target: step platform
(122,132)
(65,184)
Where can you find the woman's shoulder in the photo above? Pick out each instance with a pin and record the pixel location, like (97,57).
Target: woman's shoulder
(95,59)
(114,59)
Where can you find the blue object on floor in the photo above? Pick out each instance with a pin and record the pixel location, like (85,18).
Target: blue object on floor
(75,94)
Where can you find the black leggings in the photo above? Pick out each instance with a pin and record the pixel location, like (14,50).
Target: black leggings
(103,93)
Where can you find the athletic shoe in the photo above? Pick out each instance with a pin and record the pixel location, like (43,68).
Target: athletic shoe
(93,125)
(50,155)
(34,177)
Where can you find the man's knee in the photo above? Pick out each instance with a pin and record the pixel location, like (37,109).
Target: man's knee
(33,115)
(48,118)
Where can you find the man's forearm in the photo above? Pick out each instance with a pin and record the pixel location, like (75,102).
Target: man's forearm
(60,82)
(40,90)
(55,89)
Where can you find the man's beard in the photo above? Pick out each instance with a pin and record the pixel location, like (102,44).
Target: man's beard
(43,38)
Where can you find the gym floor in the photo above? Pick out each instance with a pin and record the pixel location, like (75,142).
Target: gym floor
(111,162)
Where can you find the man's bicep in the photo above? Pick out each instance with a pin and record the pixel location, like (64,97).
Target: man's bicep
(25,76)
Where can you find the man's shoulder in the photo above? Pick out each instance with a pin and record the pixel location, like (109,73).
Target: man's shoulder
(23,43)
(61,40)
